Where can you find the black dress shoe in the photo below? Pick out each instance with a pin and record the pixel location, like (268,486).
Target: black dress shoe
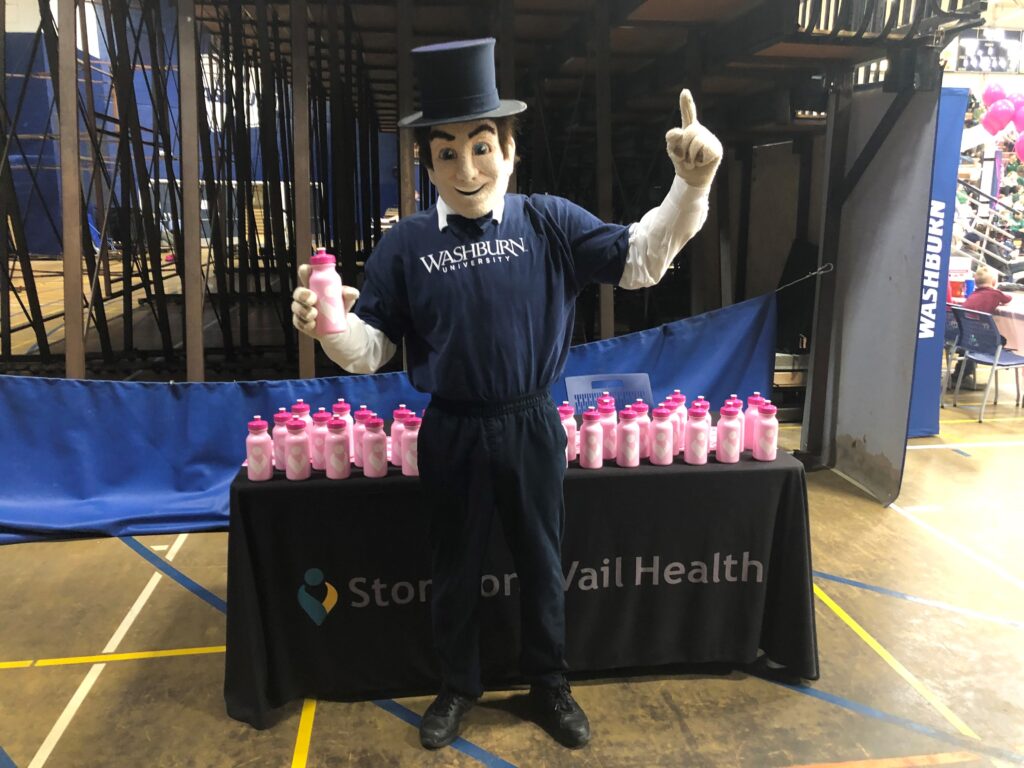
(440,724)
(557,711)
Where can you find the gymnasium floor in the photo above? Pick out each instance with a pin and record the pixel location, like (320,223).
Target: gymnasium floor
(920,611)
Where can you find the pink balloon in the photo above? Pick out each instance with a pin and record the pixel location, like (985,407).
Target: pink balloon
(1017,99)
(1019,148)
(992,94)
(1018,119)
(999,114)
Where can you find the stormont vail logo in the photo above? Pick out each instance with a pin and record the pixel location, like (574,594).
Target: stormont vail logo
(314,607)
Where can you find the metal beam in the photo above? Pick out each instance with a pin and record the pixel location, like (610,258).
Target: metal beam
(300,149)
(603,109)
(874,143)
(70,191)
(192,286)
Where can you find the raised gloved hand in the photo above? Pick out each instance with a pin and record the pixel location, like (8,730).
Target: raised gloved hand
(694,150)
(304,303)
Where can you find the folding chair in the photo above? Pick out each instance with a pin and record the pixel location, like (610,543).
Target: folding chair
(982,343)
(950,347)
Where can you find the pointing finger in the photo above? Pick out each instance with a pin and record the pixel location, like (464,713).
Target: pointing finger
(687,108)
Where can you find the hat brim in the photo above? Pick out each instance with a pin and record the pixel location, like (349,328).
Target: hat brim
(506,108)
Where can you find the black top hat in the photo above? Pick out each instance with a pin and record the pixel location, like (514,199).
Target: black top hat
(457,84)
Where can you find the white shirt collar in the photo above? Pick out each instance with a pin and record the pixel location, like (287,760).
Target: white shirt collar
(443,211)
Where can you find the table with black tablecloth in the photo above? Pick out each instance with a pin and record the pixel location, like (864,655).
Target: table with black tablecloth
(663,565)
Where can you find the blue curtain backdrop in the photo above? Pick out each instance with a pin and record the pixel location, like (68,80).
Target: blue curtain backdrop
(130,458)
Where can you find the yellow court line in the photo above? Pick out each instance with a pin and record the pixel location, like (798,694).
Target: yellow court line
(945,758)
(105,657)
(975,421)
(305,733)
(902,671)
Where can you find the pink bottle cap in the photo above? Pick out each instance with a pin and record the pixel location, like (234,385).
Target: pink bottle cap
(362,415)
(677,397)
(337,424)
(662,413)
(605,408)
(401,413)
(413,422)
(340,408)
(701,405)
(296,425)
(628,414)
(565,411)
(755,399)
(300,407)
(257,424)
(639,407)
(282,417)
(321,417)
(322,257)
(767,409)
(591,416)
(374,423)
(696,411)
(604,399)
(730,410)
(700,399)
(732,400)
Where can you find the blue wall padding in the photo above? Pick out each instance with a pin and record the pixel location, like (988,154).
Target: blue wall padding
(130,458)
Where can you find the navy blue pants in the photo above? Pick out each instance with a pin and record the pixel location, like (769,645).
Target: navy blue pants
(475,460)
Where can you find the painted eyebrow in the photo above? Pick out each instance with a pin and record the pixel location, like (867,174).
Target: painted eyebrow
(436,134)
(481,128)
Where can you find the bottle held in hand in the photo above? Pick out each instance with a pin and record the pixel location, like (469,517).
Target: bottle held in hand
(325,282)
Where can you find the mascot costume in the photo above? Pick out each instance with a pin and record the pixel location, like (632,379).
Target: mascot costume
(482,286)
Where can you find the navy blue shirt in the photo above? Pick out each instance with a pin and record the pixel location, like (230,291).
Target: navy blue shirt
(486,307)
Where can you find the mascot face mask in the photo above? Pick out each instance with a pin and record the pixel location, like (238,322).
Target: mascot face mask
(471,172)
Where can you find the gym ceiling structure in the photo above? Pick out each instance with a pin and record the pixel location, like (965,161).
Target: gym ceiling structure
(208,151)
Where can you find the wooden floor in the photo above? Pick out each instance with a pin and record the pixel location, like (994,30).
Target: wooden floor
(920,616)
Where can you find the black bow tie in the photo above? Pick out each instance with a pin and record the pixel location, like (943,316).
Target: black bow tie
(464,224)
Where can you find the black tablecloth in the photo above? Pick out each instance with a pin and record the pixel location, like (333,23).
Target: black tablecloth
(664,565)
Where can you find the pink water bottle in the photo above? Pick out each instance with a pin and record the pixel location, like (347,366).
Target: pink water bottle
(735,402)
(400,414)
(259,451)
(676,402)
(605,399)
(695,437)
(300,410)
(592,441)
(643,421)
(325,282)
(281,419)
(662,437)
(568,416)
(344,410)
(730,431)
(318,439)
(750,418)
(627,439)
(359,430)
(375,449)
(608,421)
(410,447)
(336,454)
(767,445)
(296,447)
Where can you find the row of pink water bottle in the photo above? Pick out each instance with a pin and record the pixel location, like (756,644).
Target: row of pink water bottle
(629,435)
(332,442)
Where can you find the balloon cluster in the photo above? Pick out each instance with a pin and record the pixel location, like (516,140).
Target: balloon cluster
(1002,108)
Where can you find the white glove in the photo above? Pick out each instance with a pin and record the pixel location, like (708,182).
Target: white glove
(694,150)
(360,349)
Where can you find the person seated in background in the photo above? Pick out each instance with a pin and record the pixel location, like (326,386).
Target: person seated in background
(985,298)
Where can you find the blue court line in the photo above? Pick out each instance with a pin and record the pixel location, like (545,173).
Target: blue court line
(5,761)
(969,745)
(171,572)
(922,600)
(465,747)
(962,453)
